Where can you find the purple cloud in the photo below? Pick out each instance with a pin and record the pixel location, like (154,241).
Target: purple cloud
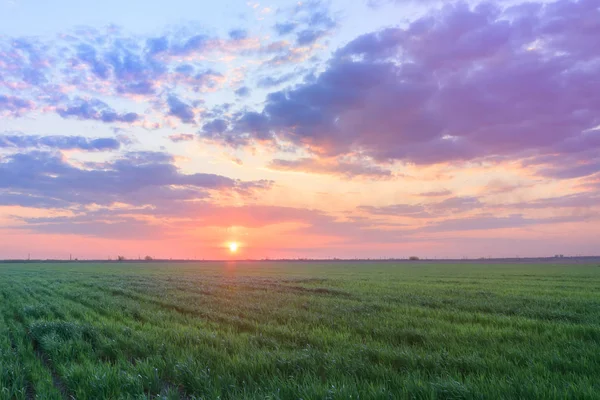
(243,91)
(181,137)
(342,168)
(452,205)
(238,34)
(15,106)
(472,83)
(406,210)
(271,81)
(21,141)
(584,200)
(181,110)
(142,178)
(94,109)
(309,36)
(485,222)
(215,127)
(436,193)
(285,28)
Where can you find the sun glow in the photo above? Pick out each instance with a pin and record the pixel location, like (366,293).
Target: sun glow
(233,247)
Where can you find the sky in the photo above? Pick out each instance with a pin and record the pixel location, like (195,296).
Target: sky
(299,129)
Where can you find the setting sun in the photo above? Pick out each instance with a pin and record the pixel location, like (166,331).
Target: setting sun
(233,247)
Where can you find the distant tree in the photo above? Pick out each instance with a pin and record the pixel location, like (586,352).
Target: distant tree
(121,258)
(148,258)
(413,258)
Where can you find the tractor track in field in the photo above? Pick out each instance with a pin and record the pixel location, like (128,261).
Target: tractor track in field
(29,388)
(43,359)
(57,382)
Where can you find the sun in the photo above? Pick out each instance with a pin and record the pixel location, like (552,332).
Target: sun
(233,247)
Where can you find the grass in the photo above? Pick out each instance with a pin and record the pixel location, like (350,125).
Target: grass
(299,330)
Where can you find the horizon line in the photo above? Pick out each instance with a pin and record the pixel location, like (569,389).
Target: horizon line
(299,259)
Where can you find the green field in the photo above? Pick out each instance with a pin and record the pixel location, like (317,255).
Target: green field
(299,330)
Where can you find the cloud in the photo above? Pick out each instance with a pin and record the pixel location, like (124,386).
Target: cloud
(243,92)
(14,106)
(485,222)
(94,109)
(188,76)
(462,83)
(285,28)
(405,210)
(215,127)
(177,217)
(238,34)
(584,200)
(96,64)
(436,193)
(315,13)
(181,110)
(142,178)
(271,81)
(113,228)
(309,36)
(181,137)
(21,141)
(346,169)
(456,205)
(311,20)
(112,222)
(452,205)
(378,3)
(574,169)
(25,60)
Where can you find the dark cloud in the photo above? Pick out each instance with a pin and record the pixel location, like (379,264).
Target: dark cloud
(94,109)
(181,110)
(21,141)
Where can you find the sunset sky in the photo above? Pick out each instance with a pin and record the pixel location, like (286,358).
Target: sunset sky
(362,128)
